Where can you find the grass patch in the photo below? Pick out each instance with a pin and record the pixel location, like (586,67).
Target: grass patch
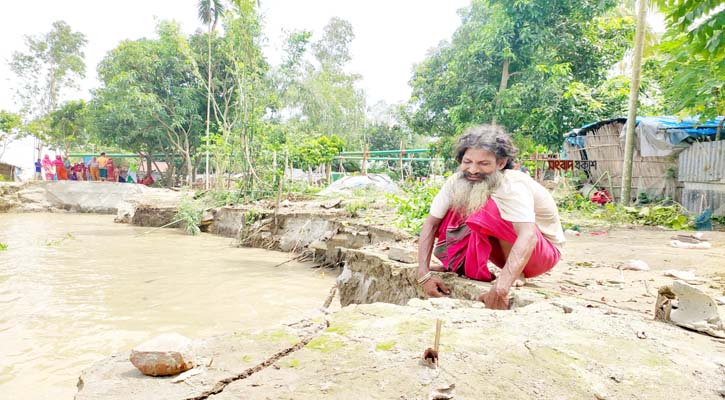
(325,344)
(385,346)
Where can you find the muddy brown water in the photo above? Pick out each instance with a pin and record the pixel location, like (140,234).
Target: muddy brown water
(75,288)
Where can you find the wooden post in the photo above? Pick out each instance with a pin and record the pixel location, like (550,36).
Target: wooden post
(400,161)
(633,95)
(274,166)
(366,154)
(286,165)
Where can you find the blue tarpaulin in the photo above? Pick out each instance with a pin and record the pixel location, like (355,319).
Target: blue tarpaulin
(675,129)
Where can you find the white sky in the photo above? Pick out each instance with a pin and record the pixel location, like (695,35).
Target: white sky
(390,36)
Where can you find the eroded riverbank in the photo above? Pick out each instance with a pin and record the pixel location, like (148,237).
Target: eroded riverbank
(586,329)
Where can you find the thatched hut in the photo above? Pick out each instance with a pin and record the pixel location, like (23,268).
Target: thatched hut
(659,142)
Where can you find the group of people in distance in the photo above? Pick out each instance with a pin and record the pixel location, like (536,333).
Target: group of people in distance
(96,169)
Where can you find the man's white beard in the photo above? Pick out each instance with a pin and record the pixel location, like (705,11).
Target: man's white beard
(467,196)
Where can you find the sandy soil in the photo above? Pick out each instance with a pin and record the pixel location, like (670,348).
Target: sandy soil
(592,266)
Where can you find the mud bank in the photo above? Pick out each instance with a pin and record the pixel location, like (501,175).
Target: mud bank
(378,262)
(374,352)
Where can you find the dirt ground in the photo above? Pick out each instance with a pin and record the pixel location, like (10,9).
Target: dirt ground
(592,266)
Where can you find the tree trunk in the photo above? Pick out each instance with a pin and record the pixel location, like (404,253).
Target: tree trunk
(148,162)
(208,107)
(189,168)
(501,87)
(633,96)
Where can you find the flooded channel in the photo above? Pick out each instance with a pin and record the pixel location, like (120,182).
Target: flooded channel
(75,288)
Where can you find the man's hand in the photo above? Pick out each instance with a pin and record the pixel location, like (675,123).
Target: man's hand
(434,287)
(495,299)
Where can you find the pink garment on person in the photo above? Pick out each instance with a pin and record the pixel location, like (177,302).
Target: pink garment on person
(48,168)
(469,245)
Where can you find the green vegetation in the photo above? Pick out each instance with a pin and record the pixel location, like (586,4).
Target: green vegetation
(385,346)
(413,204)
(355,207)
(189,214)
(58,242)
(3,246)
(325,344)
(665,213)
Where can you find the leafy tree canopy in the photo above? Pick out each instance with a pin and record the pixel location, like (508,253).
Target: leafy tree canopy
(53,62)
(529,65)
(692,55)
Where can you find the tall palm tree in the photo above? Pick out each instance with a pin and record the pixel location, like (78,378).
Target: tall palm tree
(209,13)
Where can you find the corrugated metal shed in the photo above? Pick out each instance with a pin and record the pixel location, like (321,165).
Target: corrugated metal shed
(701,169)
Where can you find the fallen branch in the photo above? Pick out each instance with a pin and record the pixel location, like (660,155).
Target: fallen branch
(331,296)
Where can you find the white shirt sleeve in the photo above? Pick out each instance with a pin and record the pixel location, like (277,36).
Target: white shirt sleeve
(516,203)
(441,202)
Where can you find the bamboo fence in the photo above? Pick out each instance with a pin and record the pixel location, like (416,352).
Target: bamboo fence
(603,145)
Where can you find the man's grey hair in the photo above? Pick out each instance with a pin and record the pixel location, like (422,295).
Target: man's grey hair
(487,137)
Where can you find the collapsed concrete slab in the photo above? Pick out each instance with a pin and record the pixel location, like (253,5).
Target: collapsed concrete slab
(82,197)
(369,276)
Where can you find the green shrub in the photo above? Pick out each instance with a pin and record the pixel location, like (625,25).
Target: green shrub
(189,214)
(413,205)
(354,208)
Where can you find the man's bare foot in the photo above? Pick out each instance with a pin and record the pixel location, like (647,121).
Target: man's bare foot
(520,281)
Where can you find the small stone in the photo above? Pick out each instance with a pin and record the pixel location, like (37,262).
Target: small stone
(167,354)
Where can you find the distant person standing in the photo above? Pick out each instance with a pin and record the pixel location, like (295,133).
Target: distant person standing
(93,169)
(48,168)
(38,171)
(110,171)
(83,171)
(102,170)
(60,170)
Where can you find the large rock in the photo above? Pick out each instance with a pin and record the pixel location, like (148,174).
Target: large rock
(167,354)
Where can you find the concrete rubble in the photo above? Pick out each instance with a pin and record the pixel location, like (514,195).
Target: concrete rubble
(695,310)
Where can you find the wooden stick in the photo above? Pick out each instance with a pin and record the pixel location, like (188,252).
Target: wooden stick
(438,335)
(163,226)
